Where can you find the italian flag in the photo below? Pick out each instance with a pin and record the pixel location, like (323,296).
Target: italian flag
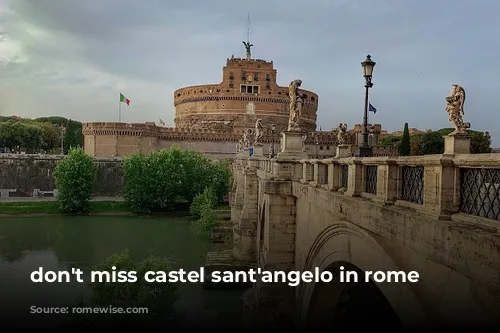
(124,99)
(162,123)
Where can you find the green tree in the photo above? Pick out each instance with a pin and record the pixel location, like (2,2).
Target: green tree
(432,143)
(16,133)
(404,148)
(165,179)
(51,136)
(221,179)
(416,144)
(75,177)
(158,297)
(480,142)
(201,201)
(391,141)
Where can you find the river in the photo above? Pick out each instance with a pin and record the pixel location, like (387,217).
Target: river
(66,242)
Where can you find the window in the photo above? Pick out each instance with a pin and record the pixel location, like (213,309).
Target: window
(249,89)
(268,77)
(231,76)
(268,85)
(231,84)
(256,76)
(243,76)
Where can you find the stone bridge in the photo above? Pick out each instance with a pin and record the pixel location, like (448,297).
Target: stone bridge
(438,215)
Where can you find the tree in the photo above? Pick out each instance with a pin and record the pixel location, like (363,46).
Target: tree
(404,148)
(75,178)
(432,143)
(51,135)
(20,134)
(416,144)
(480,142)
(165,179)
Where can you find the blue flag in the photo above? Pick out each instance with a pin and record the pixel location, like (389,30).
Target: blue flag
(371,108)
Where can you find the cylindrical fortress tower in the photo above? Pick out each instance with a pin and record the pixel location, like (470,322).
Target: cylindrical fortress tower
(248,91)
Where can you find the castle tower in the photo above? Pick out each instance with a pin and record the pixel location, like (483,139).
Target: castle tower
(248,91)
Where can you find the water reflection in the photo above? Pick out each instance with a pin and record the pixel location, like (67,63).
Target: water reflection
(62,243)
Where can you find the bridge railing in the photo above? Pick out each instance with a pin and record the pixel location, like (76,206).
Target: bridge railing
(437,185)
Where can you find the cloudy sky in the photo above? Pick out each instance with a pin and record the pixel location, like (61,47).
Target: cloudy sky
(73,57)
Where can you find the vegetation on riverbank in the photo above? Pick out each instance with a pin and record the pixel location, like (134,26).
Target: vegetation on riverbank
(52,207)
(163,181)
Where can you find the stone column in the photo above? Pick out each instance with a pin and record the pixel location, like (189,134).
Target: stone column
(244,232)
(238,195)
(278,251)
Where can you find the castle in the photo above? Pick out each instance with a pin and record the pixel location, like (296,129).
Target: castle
(211,118)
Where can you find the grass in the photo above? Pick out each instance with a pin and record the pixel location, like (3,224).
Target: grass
(51,207)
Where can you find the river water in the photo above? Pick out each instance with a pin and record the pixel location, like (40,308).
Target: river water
(66,242)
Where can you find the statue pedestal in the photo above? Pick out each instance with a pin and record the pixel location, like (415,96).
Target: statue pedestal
(342,151)
(291,143)
(457,144)
(258,150)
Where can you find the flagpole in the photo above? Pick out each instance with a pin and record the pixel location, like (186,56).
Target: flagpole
(120,111)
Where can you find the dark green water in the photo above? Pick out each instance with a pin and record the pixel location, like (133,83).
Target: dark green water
(61,243)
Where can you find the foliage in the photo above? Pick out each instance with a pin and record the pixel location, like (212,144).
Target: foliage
(433,142)
(169,178)
(404,148)
(416,144)
(208,219)
(201,201)
(391,141)
(39,133)
(75,177)
(480,142)
(221,180)
(158,297)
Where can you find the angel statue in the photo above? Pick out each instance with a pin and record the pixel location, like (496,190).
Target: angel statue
(304,138)
(259,130)
(341,131)
(296,101)
(248,46)
(246,138)
(455,108)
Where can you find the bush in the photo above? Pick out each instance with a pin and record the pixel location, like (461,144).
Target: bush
(201,201)
(169,178)
(75,177)
(221,179)
(208,219)
(158,297)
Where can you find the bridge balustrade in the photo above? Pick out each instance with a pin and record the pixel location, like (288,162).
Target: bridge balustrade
(440,185)
(444,185)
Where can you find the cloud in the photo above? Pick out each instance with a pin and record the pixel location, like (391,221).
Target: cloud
(72,58)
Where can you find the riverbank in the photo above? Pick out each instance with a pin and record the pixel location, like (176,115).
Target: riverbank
(48,206)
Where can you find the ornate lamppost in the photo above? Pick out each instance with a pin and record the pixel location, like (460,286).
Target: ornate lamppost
(273,131)
(365,149)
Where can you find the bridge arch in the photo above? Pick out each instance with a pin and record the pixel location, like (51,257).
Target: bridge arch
(345,244)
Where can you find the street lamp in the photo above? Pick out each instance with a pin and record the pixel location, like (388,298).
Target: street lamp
(273,131)
(365,149)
